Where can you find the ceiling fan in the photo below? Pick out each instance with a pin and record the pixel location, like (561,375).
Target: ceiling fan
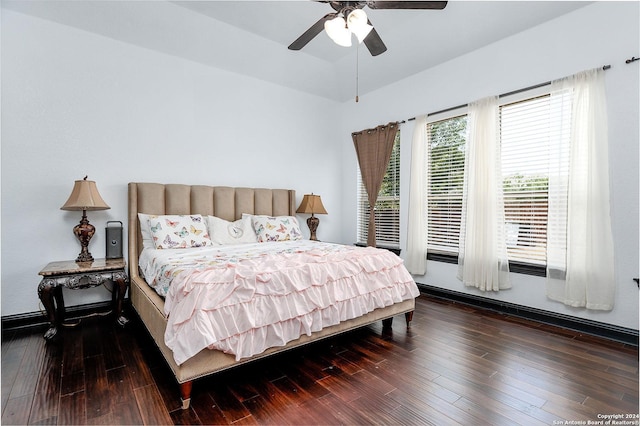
(349,18)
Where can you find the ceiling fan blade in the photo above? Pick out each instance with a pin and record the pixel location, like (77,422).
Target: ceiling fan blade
(374,43)
(437,5)
(313,31)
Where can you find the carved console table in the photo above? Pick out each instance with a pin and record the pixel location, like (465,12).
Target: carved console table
(80,275)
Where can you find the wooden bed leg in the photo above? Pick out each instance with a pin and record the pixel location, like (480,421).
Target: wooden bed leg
(185,394)
(408,316)
(387,322)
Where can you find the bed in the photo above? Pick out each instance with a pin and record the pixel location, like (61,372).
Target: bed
(227,204)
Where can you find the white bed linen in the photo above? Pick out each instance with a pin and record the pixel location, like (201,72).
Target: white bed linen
(245,298)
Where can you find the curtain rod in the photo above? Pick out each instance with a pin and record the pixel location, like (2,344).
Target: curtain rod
(514,92)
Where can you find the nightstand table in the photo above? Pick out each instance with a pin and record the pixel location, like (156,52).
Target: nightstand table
(80,275)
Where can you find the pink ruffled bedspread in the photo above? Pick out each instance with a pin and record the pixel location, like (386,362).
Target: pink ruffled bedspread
(243,306)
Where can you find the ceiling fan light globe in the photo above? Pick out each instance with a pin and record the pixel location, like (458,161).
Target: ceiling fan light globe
(357,18)
(357,23)
(337,30)
(362,32)
(343,39)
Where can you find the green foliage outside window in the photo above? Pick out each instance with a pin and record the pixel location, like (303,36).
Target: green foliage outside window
(447,141)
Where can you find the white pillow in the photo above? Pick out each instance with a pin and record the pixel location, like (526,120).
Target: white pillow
(276,228)
(179,231)
(224,232)
(145,230)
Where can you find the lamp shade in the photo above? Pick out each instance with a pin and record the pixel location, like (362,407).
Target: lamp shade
(311,204)
(85,196)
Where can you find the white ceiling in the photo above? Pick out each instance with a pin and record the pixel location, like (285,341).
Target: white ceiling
(251,37)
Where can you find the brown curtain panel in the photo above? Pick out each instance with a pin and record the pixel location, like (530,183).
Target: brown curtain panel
(373,148)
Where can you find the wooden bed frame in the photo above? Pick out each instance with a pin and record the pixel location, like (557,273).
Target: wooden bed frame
(229,204)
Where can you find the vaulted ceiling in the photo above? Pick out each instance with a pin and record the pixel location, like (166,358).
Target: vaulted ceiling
(251,37)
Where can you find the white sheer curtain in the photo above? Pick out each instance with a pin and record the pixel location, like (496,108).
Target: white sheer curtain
(482,258)
(580,265)
(416,257)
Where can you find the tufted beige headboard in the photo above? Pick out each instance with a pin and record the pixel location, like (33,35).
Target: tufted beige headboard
(221,201)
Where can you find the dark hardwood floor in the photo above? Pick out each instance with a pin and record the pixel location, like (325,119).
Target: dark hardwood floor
(455,365)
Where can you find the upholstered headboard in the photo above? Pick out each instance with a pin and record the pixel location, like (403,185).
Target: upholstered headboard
(221,201)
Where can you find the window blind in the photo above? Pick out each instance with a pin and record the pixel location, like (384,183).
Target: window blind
(446,140)
(387,208)
(525,146)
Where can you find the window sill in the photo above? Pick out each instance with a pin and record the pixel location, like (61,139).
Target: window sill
(395,250)
(516,267)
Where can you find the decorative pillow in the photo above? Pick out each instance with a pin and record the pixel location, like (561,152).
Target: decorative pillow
(278,228)
(179,231)
(224,232)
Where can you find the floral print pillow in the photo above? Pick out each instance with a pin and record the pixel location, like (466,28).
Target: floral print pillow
(179,231)
(276,228)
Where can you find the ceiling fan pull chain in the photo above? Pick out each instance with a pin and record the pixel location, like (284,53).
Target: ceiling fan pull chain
(357,70)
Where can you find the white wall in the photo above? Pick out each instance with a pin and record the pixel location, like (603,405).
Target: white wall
(75,103)
(598,34)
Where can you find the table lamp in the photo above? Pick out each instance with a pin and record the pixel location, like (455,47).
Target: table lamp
(312,204)
(84,196)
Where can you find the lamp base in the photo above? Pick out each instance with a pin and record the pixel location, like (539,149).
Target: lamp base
(84,232)
(313,223)
(84,257)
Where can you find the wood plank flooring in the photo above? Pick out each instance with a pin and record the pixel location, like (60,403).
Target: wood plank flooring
(455,365)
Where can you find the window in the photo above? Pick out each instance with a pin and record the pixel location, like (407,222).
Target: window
(524,128)
(525,132)
(445,153)
(387,208)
